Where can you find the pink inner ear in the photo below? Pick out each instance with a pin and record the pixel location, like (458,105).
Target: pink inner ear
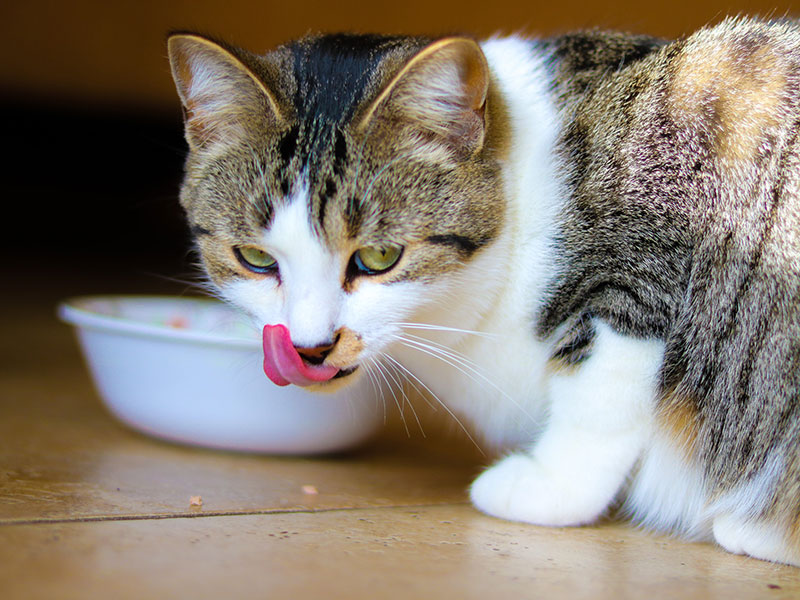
(283,365)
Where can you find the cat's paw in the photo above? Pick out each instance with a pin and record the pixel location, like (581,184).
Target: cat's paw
(760,540)
(519,488)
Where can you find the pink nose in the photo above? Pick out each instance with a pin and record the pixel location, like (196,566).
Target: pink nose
(283,364)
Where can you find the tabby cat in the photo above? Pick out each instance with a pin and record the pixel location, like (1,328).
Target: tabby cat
(588,247)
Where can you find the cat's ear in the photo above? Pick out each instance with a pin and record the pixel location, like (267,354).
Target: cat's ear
(221,96)
(442,91)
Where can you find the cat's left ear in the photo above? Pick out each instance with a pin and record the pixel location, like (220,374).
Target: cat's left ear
(442,91)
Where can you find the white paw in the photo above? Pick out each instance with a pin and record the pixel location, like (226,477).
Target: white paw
(519,488)
(758,540)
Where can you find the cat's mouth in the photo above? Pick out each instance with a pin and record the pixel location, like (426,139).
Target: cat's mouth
(284,365)
(345,372)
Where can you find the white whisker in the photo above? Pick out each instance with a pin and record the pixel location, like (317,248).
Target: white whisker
(462,364)
(428,327)
(411,378)
(381,371)
(378,389)
(402,373)
(411,375)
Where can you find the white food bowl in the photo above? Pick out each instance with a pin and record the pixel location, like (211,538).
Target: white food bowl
(190,370)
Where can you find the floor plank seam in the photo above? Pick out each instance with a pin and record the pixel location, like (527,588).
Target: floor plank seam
(200,514)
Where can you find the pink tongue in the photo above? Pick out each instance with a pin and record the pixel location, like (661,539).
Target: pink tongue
(283,365)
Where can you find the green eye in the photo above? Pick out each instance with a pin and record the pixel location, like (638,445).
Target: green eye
(255,259)
(376,259)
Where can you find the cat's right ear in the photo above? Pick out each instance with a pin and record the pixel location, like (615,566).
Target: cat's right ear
(221,96)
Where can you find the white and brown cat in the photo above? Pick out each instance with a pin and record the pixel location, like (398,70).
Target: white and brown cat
(588,247)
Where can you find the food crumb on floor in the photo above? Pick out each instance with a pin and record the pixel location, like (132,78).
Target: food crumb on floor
(310,490)
(196,501)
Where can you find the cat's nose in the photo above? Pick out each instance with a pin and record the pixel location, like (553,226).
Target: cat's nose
(317,354)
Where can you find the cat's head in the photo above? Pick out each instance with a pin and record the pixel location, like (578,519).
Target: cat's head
(338,187)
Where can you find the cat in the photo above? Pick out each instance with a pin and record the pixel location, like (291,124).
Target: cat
(586,246)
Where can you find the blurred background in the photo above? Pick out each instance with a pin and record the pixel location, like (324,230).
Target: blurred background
(92,126)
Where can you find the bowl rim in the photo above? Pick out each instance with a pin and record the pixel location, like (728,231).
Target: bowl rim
(74,310)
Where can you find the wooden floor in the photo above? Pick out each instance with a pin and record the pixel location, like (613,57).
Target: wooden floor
(90,509)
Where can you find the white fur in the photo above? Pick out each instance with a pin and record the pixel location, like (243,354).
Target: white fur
(667,493)
(761,540)
(599,422)
(736,525)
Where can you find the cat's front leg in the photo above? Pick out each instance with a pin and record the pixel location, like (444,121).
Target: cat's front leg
(600,418)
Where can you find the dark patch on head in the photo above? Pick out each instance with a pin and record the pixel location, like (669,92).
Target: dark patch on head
(325,195)
(288,145)
(339,153)
(332,73)
(461,243)
(353,210)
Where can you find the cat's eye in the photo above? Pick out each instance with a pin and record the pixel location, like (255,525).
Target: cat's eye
(376,259)
(255,259)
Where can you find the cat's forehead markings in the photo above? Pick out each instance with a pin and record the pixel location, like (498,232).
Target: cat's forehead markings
(333,72)
(333,76)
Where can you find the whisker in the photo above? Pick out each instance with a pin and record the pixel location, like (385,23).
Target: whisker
(441,403)
(444,351)
(405,396)
(463,365)
(381,371)
(398,385)
(407,375)
(377,388)
(429,327)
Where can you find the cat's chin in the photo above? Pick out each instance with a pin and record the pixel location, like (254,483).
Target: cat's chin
(339,381)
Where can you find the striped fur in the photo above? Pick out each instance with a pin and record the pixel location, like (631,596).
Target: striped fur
(615,217)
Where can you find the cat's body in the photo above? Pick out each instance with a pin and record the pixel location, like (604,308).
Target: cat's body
(586,247)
